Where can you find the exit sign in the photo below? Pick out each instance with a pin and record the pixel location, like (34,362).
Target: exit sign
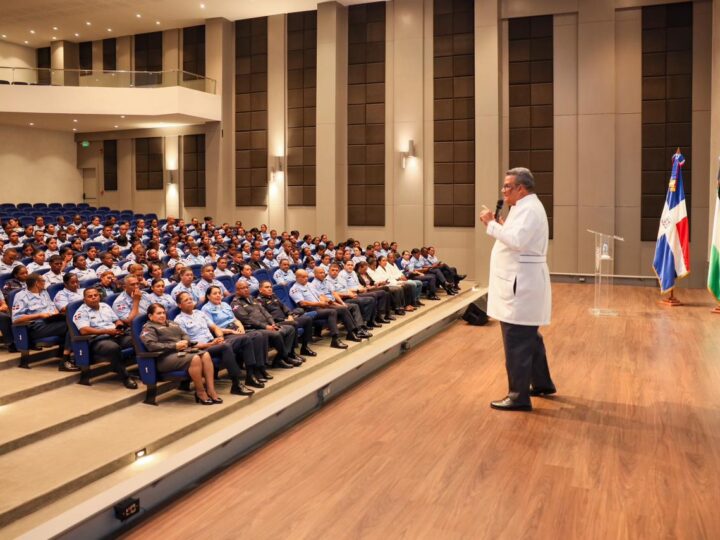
(85,144)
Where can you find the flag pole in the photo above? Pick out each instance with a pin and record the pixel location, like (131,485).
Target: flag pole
(716,309)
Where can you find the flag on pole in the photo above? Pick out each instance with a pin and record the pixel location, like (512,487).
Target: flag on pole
(672,252)
(714,270)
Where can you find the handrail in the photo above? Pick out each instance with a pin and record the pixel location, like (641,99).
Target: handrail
(105,78)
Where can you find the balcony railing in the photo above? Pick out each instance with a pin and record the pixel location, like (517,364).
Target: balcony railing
(105,79)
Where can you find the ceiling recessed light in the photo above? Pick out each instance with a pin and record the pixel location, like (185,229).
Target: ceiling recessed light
(54,38)
(55,27)
(32,31)
(202,6)
(88,23)
(4,36)
(157,22)
(138,15)
(32,123)
(74,129)
(26,42)
(77,35)
(109,29)
(75,120)
(115,126)
(122,116)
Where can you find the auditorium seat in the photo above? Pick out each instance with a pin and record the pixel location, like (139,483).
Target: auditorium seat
(21,337)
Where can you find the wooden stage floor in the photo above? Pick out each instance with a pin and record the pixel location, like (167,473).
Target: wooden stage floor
(629,448)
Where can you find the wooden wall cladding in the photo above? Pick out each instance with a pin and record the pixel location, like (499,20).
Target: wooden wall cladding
(454,113)
(366,115)
(530,51)
(149,163)
(110,176)
(301,88)
(667,61)
(251,118)
(193,52)
(193,170)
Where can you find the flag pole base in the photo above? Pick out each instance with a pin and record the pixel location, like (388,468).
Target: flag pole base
(671,301)
(715,310)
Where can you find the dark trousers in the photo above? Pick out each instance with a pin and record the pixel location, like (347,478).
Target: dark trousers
(227,356)
(381,301)
(41,329)
(250,348)
(437,273)
(408,293)
(450,273)
(6,328)
(525,361)
(304,322)
(109,349)
(345,317)
(282,340)
(367,305)
(397,297)
(331,318)
(429,283)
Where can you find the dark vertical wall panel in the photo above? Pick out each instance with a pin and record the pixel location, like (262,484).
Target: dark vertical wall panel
(194,170)
(149,163)
(366,115)
(109,54)
(251,151)
(86,56)
(43,64)
(530,50)
(666,106)
(193,52)
(148,57)
(454,112)
(110,178)
(301,84)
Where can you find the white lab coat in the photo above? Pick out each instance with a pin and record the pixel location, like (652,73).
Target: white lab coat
(519,290)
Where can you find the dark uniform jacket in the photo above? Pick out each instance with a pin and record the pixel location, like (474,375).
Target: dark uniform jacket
(259,265)
(277,309)
(251,314)
(162,338)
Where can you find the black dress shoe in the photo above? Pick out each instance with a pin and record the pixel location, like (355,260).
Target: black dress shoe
(252,381)
(542,391)
(418,304)
(292,362)
(399,311)
(208,401)
(508,404)
(297,358)
(460,277)
(336,343)
(241,390)
(353,336)
(307,351)
(67,365)
(260,378)
(281,364)
(262,372)
(363,334)
(12,348)
(129,383)
(373,324)
(433,297)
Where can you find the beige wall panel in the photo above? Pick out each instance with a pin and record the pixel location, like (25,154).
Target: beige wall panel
(565,65)
(565,241)
(252,216)
(97,56)
(276,118)
(628,61)
(601,219)
(647,254)
(301,218)
(627,253)
(698,247)
(628,167)
(530,8)
(596,67)
(124,55)
(596,161)
(565,175)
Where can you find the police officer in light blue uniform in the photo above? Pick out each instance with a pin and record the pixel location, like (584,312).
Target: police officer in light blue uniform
(186,285)
(367,305)
(283,275)
(33,305)
(70,293)
(208,279)
(252,281)
(109,334)
(323,288)
(126,302)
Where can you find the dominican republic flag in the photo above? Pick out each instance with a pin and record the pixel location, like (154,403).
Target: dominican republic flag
(672,252)
(714,270)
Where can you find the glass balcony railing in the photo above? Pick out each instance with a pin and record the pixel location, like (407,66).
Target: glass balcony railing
(105,79)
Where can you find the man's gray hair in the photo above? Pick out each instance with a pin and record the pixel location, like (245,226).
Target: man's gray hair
(523,177)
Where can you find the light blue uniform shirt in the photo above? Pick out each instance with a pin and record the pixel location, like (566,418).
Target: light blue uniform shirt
(123,305)
(192,289)
(349,280)
(194,259)
(252,282)
(284,277)
(272,263)
(222,314)
(322,288)
(82,275)
(197,326)
(203,286)
(303,293)
(165,300)
(335,284)
(102,318)
(29,303)
(66,296)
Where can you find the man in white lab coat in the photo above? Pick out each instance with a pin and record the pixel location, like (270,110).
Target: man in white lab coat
(519,293)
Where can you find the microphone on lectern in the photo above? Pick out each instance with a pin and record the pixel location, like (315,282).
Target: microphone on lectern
(498,207)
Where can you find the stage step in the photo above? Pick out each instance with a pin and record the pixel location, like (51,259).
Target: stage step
(10,360)
(95,431)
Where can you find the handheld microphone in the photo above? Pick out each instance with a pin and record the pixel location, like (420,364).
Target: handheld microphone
(498,207)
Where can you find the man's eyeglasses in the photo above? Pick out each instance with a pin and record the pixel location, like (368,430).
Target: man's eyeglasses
(508,187)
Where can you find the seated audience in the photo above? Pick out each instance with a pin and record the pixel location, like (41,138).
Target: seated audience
(70,293)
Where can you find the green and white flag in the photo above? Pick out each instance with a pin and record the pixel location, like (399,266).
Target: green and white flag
(714,270)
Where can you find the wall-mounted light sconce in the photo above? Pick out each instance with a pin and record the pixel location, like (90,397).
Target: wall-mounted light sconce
(172,176)
(278,168)
(406,156)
